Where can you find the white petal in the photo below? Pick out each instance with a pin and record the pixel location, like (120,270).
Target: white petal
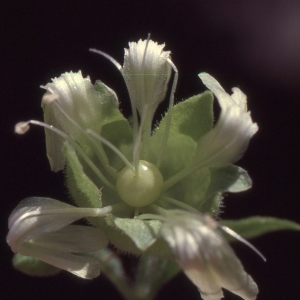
(227,142)
(74,238)
(146,73)
(206,257)
(54,142)
(71,104)
(231,273)
(36,216)
(82,266)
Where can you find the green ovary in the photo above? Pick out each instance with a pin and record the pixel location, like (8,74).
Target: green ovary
(140,188)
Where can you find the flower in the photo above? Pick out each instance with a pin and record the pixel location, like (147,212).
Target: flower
(39,227)
(71,104)
(228,141)
(184,163)
(146,71)
(205,256)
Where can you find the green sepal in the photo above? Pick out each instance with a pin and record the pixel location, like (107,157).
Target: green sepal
(110,264)
(153,273)
(119,133)
(33,267)
(191,119)
(115,127)
(136,238)
(230,178)
(82,189)
(142,234)
(224,179)
(256,226)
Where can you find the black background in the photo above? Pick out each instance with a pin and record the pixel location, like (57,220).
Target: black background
(251,44)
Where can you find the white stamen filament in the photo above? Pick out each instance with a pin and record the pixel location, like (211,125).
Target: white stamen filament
(111,146)
(151,217)
(179,204)
(193,168)
(133,106)
(100,151)
(118,66)
(73,143)
(242,240)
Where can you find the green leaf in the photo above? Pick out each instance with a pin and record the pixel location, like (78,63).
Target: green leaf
(33,267)
(82,189)
(256,226)
(191,119)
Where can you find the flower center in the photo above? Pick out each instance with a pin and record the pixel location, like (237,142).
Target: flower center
(142,187)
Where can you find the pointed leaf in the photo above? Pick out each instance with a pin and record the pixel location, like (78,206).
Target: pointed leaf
(256,226)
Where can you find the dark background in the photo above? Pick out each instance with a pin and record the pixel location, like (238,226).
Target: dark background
(251,44)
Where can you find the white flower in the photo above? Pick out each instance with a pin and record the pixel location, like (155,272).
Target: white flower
(206,257)
(146,72)
(227,142)
(71,105)
(40,228)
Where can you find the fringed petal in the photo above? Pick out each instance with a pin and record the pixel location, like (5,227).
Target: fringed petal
(228,141)
(205,256)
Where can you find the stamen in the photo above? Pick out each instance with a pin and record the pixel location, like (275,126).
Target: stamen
(133,107)
(25,125)
(138,140)
(100,151)
(118,66)
(136,212)
(111,146)
(142,87)
(177,177)
(151,217)
(241,239)
(169,116)
(156,209)
(191,169)
(21,127)
(179,204)
(48,98)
